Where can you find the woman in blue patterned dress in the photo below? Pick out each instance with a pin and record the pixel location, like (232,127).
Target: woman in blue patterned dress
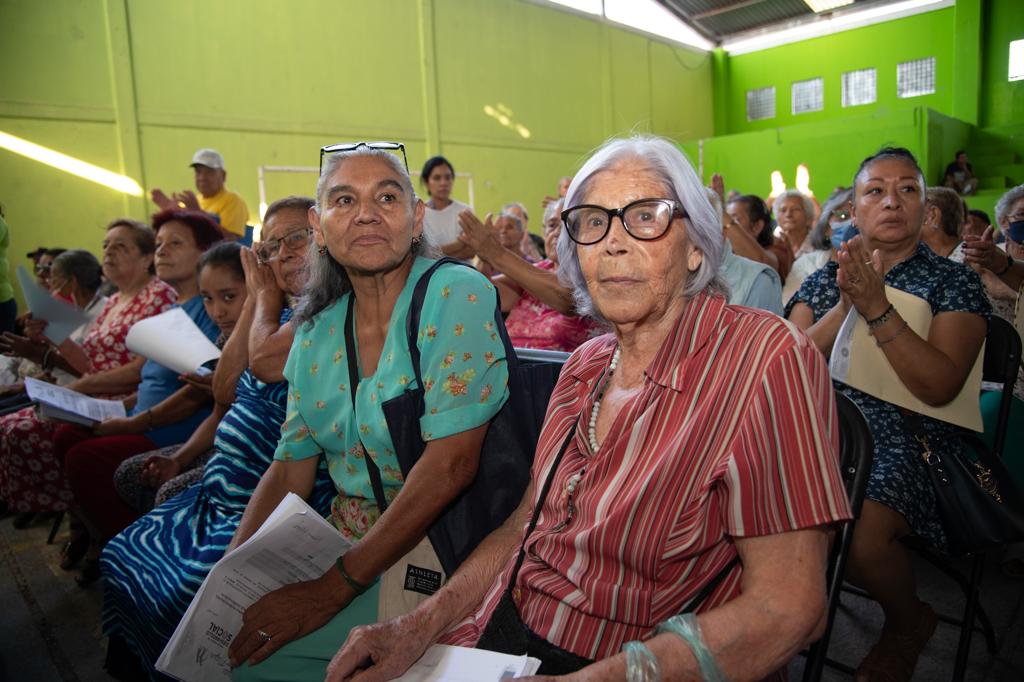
(154,567)
(888,211)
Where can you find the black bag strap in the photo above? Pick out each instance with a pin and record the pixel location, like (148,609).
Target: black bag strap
(353,381)
(412,322)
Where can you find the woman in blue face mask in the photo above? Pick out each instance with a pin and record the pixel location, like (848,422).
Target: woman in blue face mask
(832,229)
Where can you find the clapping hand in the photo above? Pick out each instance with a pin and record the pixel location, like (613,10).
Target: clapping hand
(480,236)
(982,252)
(187,198)
(162,201)
(860,278)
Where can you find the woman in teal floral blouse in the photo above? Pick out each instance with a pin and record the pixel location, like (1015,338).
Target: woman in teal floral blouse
(368,230)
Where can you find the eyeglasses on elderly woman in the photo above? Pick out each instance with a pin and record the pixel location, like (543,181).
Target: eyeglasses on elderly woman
(295,240)
(342,147)
(644,219)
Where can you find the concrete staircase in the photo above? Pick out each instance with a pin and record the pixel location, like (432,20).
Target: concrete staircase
(997,155)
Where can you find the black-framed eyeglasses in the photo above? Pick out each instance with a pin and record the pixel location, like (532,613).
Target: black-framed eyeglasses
(295,240)
(342,147)
(645,219)
(43,267)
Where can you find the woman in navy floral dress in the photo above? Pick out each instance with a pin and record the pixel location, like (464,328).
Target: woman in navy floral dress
(888,210)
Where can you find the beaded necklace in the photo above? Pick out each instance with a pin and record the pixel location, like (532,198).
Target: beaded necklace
(574,480)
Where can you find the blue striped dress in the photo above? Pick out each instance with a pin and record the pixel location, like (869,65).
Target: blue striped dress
(154,567)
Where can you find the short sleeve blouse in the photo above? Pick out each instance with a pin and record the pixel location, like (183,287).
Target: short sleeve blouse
(104,344)
(462,361)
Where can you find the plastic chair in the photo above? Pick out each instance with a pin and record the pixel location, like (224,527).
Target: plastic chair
(856,452)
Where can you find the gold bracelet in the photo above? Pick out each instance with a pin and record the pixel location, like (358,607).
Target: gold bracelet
(899,331)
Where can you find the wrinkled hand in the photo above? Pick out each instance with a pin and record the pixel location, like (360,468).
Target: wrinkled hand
(983,252)
(380,652)
(163,201)
(187,198)
(286,614)
(480,236)
(118,426)
(158,469)
(22,347)
(259,278)
(860,278)
(203,382)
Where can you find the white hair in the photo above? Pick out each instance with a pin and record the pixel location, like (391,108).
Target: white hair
(1006,202)
(516,204)
(553,208)
(804,199)
(666,161)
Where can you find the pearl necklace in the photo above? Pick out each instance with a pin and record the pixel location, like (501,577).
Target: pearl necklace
(592,430)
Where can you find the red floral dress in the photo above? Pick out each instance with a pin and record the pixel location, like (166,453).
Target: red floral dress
(534,324)
(30,475)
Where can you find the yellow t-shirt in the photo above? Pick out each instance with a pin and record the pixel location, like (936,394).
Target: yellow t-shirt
(231,209)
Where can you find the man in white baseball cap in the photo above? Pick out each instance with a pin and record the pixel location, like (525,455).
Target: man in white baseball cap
(214,197)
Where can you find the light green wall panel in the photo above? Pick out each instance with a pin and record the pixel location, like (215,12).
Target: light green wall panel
(304,66)
(47,207)
(53,59)
(681,99)
(542,65)
(881,46)
(832,151)
(630,81)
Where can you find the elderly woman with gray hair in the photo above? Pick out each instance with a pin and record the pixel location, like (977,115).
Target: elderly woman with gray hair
(368,227)
(832,228)
(688,465)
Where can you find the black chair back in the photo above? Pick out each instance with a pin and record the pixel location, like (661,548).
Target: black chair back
(1000,365)
(856,452)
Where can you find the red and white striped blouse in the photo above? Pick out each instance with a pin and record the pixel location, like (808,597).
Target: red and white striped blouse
(734,433)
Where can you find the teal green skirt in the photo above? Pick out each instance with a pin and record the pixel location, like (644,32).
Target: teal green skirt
(306,659)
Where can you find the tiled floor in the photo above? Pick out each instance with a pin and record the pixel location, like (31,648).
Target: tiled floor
(49,627)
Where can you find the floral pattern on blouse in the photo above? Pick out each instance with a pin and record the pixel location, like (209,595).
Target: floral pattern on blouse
(465,379)
(104,345)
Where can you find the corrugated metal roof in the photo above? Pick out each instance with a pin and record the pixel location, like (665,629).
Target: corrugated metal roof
(718,19)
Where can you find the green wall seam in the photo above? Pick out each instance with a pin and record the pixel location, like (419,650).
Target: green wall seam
(428,77)
(122,78)
(967,60)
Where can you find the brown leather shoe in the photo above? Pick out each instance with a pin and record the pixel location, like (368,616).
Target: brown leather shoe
(894,656)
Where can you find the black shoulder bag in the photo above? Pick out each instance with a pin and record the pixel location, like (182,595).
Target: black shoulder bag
(507,452)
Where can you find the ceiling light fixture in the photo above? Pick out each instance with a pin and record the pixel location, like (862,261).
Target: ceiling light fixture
(826,5)
(823,26)
(69,164)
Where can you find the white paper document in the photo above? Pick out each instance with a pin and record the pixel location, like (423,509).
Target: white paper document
(294,544)
(61,318)
(57,402)
(173,340)
(859,362)
(443,663)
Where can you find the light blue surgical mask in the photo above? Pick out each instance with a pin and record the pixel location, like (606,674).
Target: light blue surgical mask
(843,232)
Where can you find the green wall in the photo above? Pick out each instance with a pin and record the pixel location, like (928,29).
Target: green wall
(881,46)
(135,86)
(1001,102)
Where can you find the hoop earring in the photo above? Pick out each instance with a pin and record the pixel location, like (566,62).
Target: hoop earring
(416,241)
(322,250)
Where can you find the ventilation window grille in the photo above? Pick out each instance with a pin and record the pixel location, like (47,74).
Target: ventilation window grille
(808,95)
(915,78)
(860,87)
(761,104)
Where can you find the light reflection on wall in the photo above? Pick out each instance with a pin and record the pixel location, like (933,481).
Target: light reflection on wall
(503,115)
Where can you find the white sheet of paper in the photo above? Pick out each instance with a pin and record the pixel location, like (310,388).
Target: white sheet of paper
(173,340)
(444,663)
(859,362)
(292,545)
(93,409)
(61,318)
